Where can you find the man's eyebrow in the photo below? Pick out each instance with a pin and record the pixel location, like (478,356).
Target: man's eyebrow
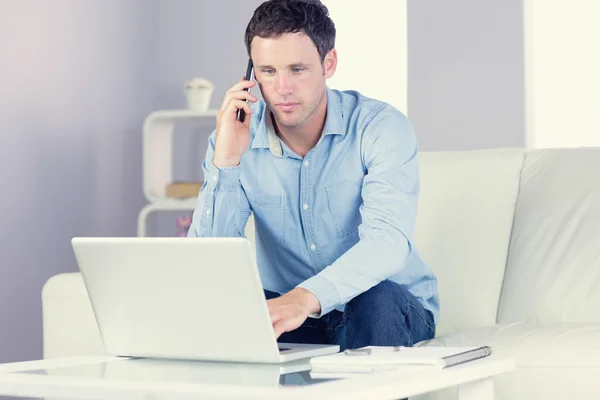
(299,64)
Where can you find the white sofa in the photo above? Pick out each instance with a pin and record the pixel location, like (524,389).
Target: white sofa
(514,238)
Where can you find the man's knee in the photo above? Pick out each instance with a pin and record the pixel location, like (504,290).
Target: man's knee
(377,301)
(390,307)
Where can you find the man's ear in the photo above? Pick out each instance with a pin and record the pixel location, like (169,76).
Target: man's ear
(330,63)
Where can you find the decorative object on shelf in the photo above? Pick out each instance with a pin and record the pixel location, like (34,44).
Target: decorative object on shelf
(183,224)
(198,93)
(182,190)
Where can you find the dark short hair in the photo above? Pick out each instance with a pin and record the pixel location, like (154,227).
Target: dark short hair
(275,17)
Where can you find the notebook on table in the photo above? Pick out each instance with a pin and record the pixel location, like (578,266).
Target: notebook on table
(373,358)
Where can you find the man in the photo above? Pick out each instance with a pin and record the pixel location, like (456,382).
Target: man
(331,179)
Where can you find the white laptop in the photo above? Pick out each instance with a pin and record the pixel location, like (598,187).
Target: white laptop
(184,372)
(182,298)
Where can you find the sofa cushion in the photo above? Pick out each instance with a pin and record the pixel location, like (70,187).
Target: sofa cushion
(553,270)
(560,345)
(553,361)
(69,324)
(536,383)
(466,210)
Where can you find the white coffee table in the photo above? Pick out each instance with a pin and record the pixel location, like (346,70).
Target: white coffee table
(106,377)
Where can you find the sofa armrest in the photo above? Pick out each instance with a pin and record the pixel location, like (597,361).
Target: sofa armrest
(69,324)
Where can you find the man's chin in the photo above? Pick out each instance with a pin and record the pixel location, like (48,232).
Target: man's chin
(289,120)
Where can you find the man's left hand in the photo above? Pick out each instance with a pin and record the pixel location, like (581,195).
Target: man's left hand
(290,310)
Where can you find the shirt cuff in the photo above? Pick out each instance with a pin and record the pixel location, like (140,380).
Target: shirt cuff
(325,291)
(225,177)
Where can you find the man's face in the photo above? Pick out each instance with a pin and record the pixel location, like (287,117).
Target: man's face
(291,77)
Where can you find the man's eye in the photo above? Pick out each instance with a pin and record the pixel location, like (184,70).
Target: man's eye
(298,69)
(268,71)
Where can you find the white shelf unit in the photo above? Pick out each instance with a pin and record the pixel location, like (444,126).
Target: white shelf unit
(158,161)
(162,205)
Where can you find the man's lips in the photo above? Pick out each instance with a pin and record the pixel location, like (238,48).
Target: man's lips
(287,106)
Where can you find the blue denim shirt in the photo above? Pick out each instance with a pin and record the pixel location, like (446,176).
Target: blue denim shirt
(336,222)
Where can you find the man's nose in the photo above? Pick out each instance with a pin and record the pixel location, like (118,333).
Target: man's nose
(284,84)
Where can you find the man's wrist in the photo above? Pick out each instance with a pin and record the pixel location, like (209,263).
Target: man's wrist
(310,301)
(225,162)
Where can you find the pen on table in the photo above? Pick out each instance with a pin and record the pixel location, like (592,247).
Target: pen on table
(368,351)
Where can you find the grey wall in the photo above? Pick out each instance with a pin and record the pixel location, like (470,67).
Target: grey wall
(200,38)
(75,79)
(466,73)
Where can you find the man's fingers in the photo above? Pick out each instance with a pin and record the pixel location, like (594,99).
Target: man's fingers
(235,105)
(279,328)
(275,316)
(240,95)
(270,306)
(235,96)
(241,85)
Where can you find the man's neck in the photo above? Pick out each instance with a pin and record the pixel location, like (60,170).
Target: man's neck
(303,138)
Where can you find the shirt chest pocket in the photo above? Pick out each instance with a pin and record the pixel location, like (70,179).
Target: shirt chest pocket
(269,215)
(344,201)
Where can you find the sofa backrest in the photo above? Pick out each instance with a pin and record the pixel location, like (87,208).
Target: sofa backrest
(553,270)
(463,228)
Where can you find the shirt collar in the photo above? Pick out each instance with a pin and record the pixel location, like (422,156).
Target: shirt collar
(266,137)
(334,123)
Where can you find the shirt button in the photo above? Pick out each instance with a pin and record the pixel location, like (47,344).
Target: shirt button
(207,212)
(313,247)
(305,206)
(306,163)
(214,178)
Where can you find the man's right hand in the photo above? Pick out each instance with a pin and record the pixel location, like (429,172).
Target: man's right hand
(233,136)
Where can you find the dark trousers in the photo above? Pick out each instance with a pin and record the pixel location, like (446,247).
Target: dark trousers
(385,315)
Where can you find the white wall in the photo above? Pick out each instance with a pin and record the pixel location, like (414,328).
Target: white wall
(562,65)
(372,48)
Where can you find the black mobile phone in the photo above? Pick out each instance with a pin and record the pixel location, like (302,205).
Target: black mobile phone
(241,114)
